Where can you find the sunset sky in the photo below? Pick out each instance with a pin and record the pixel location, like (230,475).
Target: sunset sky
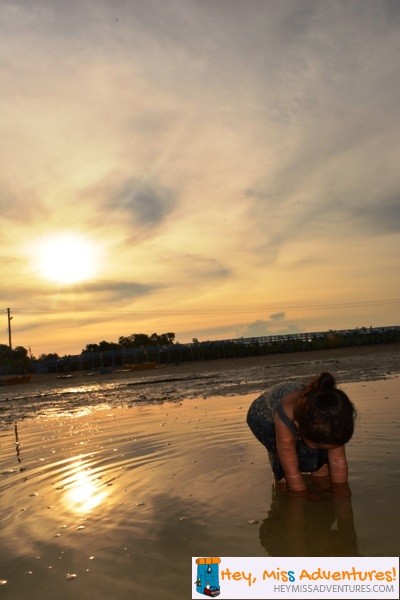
(213,168)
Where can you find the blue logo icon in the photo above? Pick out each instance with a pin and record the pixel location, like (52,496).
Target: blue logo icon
(207,582)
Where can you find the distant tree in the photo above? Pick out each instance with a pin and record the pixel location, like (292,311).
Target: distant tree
(135,340)
(166,339)
(123,341)
(20,352)
(138,340)
(5,354)
(90,348)
(141,339)
(104,346)
(20,361)
(50,356)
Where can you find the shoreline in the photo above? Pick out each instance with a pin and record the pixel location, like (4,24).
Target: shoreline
(356,354)
(48,394)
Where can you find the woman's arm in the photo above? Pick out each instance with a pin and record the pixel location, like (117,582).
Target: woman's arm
(286,446)
(338,469)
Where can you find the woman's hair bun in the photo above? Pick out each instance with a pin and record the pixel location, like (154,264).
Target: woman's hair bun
(325,381)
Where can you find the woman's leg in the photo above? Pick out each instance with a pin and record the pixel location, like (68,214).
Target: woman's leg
(264,431)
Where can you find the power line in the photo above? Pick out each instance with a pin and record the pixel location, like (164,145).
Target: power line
(211,311)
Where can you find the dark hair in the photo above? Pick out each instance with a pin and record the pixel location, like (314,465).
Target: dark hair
(324,414)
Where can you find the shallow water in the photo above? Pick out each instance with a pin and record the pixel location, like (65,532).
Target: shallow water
(111,502)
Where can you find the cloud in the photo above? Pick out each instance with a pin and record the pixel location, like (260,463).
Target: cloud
(192,267)
(277,316)
(209,148)
(95,297)
(381,217)
(117,291)
(335,117)
(145,204)
(275,325)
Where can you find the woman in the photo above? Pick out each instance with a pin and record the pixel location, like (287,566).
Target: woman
(304,429)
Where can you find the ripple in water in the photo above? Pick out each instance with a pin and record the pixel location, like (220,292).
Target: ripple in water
(94,500)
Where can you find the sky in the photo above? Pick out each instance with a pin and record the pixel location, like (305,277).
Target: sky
(213,168)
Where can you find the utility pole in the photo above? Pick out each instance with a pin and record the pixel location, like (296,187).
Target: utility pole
(9,328)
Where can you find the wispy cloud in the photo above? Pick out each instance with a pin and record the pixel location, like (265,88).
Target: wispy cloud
(220,154)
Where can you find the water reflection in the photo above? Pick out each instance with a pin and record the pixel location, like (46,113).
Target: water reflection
(19,459)
(321,524)
(84,492)
(17,447)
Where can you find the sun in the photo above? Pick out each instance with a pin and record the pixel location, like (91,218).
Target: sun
(66,258)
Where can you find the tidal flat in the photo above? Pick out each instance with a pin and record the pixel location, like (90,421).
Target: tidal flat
(110,486)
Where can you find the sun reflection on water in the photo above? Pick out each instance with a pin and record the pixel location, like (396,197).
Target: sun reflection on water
(84,493)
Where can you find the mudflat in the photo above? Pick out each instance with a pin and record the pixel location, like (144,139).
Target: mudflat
(110,484)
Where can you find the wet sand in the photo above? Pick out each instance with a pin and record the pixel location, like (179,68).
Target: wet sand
(111,496)
(358,361)
(201,379)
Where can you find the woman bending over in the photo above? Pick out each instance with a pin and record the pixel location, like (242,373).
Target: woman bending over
(305,429)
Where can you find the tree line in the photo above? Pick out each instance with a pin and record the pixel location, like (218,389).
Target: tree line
(19,358)
(163,348)
(135,340)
